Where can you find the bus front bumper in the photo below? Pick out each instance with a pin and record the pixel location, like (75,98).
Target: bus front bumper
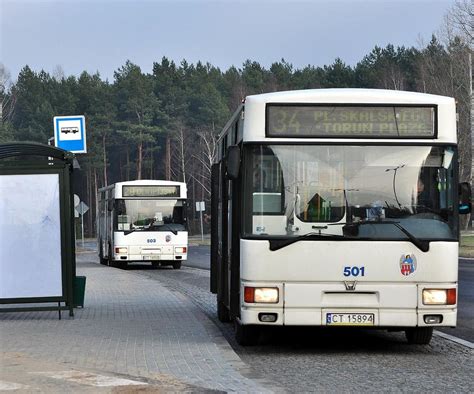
(157,254)
(327,304)
(381,317)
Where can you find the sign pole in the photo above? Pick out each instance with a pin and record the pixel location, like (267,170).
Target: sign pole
(82,228)
(202,234)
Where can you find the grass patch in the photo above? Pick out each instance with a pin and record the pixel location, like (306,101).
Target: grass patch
(467,241)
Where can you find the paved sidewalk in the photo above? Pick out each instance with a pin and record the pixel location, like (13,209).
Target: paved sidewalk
(133,334)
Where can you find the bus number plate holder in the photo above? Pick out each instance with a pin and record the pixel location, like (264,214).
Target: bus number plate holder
(350,319)
(151,257)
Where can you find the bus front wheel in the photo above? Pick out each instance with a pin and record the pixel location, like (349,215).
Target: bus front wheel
(419,335)
(246,335)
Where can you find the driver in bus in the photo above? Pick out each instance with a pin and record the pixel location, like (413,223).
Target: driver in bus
(423,202)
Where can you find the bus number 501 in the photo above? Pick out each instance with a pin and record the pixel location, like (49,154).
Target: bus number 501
(354,271)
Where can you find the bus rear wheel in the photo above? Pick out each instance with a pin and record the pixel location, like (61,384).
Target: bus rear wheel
(246,335)
(222,312)
(177,265)
(102,260)
(419,335)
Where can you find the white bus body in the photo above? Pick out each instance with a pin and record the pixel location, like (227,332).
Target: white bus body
(143,221)
(337,207)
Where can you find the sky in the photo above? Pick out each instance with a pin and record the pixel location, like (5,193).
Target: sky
(99,36)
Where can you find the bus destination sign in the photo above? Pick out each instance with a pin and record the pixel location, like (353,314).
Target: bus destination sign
(341,121)
(150,191)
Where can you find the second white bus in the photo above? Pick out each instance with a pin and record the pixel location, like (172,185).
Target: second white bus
(143,221)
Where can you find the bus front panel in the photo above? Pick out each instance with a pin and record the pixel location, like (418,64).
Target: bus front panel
(373,283)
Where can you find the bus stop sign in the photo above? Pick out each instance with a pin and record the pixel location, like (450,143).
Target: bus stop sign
(70,133)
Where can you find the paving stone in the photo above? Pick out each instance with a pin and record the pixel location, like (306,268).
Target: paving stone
(130,325)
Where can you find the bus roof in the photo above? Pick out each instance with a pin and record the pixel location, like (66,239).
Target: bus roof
(255,107)
(339,95)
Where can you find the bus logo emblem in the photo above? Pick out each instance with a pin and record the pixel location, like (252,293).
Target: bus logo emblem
(168,238)
(407,264)
(350,286)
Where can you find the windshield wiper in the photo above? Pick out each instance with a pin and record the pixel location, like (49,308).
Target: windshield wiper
(129,231)
(175,232)
(276,244)
(352,229)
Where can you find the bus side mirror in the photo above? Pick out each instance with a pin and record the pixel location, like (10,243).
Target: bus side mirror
(464,198)
(233,162)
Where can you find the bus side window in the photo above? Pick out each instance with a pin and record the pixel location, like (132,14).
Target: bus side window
(267,186)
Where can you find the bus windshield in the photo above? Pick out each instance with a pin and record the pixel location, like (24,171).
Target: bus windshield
(149,215)
(293,190)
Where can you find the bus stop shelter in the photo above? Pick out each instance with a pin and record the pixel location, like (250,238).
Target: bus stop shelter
(37,248)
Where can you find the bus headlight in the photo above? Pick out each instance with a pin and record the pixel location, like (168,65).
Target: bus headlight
(439,296)
(121,250)
(180,249)
(266,295)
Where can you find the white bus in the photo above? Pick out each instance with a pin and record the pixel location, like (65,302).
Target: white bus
(338,207)
(142,221)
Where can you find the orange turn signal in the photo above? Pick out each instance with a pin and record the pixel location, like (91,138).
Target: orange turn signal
(249,294)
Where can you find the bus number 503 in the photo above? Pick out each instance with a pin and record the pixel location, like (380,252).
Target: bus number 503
(354,271)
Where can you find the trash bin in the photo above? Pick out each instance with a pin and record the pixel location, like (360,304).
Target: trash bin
(79,291)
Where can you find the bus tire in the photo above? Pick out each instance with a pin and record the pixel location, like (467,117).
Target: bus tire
(246,335)
(102,259)
(177,265)
(110,262)
(419,335)
(222,312)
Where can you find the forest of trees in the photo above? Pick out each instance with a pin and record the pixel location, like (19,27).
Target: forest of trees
(164,124)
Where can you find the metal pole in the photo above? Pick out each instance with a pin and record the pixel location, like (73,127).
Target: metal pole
(202,234)
(82,228)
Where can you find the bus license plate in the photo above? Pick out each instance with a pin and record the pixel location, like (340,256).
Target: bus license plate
(150,258)
(350,319)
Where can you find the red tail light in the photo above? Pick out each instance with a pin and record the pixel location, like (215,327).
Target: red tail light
(451,297)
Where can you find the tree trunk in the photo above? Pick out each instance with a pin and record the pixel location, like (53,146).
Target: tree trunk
(96,205)
(139,160)
(128,165)
(104,156)
(151,165)
(183,168)
(89,200)
(168,158)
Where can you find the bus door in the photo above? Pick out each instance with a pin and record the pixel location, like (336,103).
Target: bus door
(225,264)
(216,227)
(219,250)
(233,254)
